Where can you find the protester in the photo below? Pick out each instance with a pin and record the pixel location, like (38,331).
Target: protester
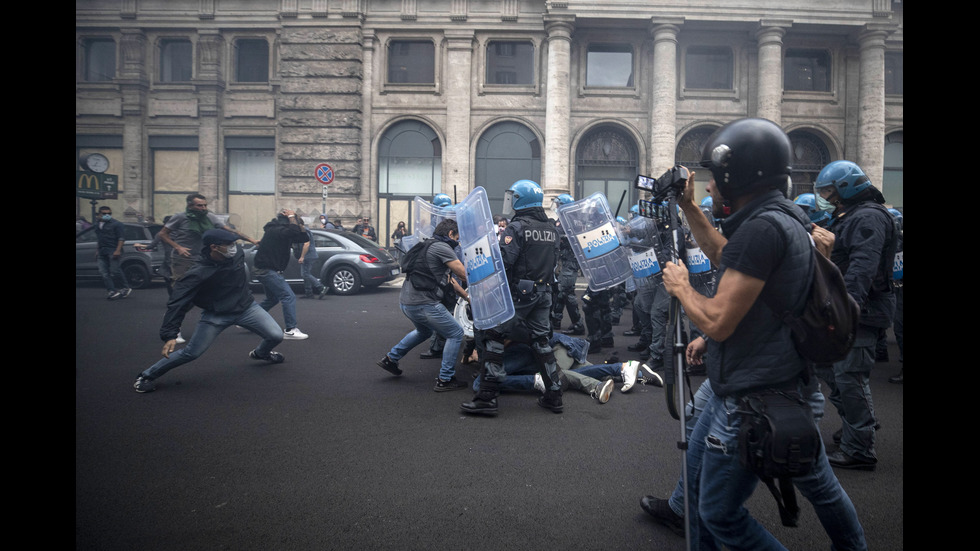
(218,285)
(426,309)
(111,235)
(272,259)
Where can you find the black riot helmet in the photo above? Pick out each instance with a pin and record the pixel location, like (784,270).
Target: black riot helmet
(748,155)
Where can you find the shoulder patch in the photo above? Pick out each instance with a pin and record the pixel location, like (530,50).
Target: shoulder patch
(508,239)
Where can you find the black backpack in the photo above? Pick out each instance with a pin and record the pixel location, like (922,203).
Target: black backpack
(825,331)
(414,267)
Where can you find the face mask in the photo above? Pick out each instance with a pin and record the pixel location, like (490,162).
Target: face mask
(232,249)
(106,217)
(824,205)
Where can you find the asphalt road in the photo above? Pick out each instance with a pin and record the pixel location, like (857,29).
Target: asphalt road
(328,451)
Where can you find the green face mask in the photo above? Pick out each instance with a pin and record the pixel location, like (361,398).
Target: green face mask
(824,204)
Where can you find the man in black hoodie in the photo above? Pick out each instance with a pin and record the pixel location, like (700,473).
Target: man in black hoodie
(529,247)
(216,284)
(273,256)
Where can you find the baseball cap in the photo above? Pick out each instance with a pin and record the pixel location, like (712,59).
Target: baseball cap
(218,237)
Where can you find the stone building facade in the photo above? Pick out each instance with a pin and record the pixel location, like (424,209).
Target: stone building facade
(243,100)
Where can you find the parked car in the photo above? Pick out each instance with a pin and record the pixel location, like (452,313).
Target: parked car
(346,262)
(140,267)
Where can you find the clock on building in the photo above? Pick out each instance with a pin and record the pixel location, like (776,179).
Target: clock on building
(94,162)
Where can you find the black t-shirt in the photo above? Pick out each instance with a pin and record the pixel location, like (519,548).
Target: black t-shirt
(754,250)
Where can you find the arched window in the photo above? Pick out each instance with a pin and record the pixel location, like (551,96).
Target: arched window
(410,161)
(606,162)
(505,153)
(810,155)
(689,152)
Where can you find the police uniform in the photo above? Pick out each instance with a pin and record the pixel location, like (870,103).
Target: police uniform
(568,269)
(529,248)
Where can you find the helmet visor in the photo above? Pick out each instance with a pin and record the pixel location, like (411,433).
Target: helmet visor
(508,209)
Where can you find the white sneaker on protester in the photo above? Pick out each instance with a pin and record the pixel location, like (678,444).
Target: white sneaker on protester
(294,334)
(539,383)
(629,374)
(180,338)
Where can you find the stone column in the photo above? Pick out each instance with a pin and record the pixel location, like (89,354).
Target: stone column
(770,43)
(556,177)
(459,61)
(369,185)
(663,95)
(210,85)
(133,85)
(871,104)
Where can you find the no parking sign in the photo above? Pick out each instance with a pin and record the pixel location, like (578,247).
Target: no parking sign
(324,174)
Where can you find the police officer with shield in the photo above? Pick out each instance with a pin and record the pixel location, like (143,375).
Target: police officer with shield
(567,275)
(529,247)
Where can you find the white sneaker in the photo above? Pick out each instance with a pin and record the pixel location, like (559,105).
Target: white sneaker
(629,374)
(180,338)
(539,383)
(295,334)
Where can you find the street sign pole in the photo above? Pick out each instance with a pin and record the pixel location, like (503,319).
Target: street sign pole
(324,175)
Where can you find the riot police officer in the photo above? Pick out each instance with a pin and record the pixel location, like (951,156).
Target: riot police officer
(864,250)
(529,247)
(568,270)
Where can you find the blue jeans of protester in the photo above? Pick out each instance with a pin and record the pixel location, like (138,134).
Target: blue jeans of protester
(429,319)
(111,269)
(719,487)
(311,283)
(254,318)
(277,290)
(524,379)
(830,502)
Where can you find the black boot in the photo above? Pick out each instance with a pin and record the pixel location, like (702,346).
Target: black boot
(594,345)
(551,400)
(898,379)
(638,347)
(577,328)
(483,403)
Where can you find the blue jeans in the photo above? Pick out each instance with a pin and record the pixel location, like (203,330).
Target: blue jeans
(311,283)
(429,319)
(111,268)
(276,291)
(521,380)
(254,318)
(720,486)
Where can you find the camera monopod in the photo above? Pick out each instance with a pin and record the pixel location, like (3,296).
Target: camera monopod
(674,363)
(667,221)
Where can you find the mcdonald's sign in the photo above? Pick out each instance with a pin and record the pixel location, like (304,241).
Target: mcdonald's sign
(92,185)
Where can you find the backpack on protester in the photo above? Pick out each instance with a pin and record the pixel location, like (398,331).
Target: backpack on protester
(416,269)
(825,331)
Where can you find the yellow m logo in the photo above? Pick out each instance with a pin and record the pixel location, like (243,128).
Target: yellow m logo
(88,181)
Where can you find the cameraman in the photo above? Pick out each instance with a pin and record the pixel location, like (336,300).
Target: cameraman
(762,259)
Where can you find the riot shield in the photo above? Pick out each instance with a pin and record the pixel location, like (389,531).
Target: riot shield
(427,216)
(490,298)
(644,263)
(595,239)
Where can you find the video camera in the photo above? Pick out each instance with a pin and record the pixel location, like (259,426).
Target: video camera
(673,180)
